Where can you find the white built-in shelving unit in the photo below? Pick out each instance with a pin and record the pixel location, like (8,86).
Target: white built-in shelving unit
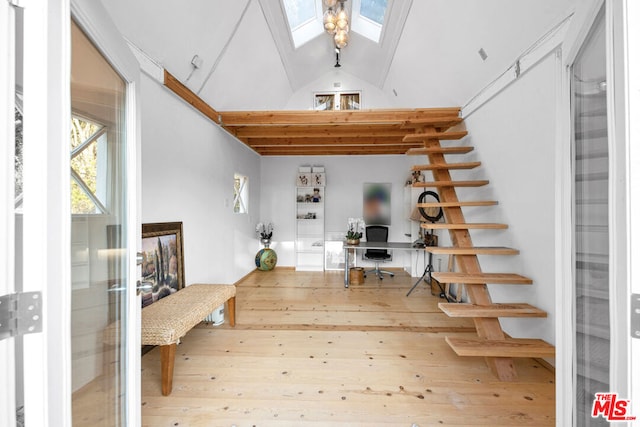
(310,214)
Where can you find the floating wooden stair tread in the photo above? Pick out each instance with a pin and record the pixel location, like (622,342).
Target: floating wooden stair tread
(481,278)
(462,226)
(441,123)
(438,184)
(441,136)
(457,204)
(438,150)
(450,166)
(493,310)
(512,347)
(481,250)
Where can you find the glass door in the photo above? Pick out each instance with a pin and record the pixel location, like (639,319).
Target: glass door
(68,217)
(591,225)
(10,122)
(99,302)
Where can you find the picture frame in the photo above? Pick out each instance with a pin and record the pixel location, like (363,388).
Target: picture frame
(303,179)
(318,179)
(377,203)
(162,260)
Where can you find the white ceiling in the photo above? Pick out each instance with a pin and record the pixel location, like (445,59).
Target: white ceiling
(428,55)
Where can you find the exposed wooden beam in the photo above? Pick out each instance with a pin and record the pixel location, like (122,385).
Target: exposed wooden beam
(328,150)
(191,98)
(302,142)
(255,118)
(303,131)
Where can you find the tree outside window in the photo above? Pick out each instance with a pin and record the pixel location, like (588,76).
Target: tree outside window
(88,167)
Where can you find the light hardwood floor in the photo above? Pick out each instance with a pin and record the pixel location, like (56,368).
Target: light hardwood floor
(308,352)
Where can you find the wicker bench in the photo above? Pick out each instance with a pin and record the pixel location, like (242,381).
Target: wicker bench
(169,319)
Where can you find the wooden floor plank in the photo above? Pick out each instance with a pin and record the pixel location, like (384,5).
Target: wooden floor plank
(308,352)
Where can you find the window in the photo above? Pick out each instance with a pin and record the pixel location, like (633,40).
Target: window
(299,12)
(591,234)
(368,18)
(305,19)
(240,194)
(373,10)
(337,101)
(88,166)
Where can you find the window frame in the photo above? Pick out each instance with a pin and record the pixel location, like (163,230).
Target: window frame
(104,167)
(337,99)
(241,195)
(366,26)
(308,30)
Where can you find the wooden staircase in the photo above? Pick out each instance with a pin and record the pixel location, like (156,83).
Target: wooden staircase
(491,342)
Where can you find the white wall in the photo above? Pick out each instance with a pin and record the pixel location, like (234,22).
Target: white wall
(371,97)
(188,166)
(343,195)
(514,136)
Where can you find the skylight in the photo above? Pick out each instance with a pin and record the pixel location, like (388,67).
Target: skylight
(368,17)
(299,12)
(373,10)
(305,19)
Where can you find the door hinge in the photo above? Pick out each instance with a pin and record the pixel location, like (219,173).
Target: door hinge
(635,315)
(20,314)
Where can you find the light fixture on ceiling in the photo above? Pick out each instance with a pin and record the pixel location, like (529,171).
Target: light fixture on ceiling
(336,22)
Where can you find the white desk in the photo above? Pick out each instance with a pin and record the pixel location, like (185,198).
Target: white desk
(403,246)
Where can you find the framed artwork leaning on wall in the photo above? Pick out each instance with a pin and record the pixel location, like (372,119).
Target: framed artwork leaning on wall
(162,260)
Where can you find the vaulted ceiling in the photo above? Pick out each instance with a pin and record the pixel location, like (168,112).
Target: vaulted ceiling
(428,55)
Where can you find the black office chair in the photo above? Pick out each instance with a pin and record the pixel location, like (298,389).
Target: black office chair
(377,233)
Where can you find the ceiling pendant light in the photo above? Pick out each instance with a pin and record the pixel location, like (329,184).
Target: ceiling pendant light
(329,21)
(342,19)
(336,22)
(341,38)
